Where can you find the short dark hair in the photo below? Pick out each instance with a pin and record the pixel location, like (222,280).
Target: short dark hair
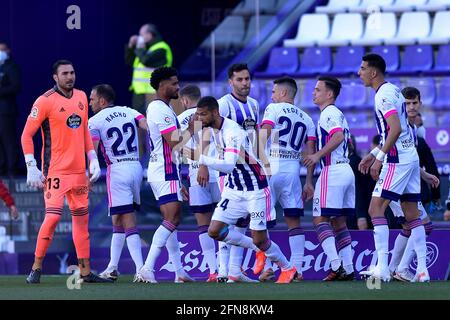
(332,84)
(151,28)
(376,61)
(191,91)
(61,62)
(105,91)
(208,102)
(236,68)
(161,74)
(290,83)
(411,93)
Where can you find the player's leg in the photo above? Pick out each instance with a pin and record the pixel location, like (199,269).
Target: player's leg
(54,200)
(402,238)
(133,239)
(117,242)
(236,252)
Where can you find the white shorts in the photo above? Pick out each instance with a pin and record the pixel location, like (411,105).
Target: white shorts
(166,191)
(334,194)
(287,189)
(398,212)
(235,205)
(123,183)
(203,199)
(399,181)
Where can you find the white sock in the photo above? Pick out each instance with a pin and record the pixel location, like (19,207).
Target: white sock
(407,256)
(117,242)
(397,252)
(347,259)
(297,245)
(224,258)
(238,239)
(173,248)
(329,247)
(236,254)
(209,251)
(158,242)
(135,249)
(420,247)
(276,256)
(381,237)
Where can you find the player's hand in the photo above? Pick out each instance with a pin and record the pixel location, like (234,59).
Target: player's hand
(375,169)
(189,153)
(94,170)
(35,178)
(133,41)
(365,163)
(310,160)
(308,192)
(203,176)
(447,215)
(431,179)
(184,193)
(13,212)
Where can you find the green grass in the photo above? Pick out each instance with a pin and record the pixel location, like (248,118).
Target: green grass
(54,287)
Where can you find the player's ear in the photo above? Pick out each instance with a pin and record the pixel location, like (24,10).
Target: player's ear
(55,77)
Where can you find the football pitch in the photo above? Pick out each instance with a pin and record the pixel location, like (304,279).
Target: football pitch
(55,287)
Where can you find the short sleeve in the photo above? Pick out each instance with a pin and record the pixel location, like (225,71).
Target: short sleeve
(332,121)
(270,116)
(386,105)
(233,140)
(136,114)
(39,111)
(224,109)
(94,129)
(310,130)
(165,120)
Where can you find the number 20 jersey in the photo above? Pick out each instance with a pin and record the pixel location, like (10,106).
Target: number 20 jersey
(116,128)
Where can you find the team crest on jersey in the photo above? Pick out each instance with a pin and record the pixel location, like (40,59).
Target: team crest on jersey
(80,105)
(249,123)
(34,112)
(331,123)
(74,121)
(168,120)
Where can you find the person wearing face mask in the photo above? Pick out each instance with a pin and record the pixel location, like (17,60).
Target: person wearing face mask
(9,88)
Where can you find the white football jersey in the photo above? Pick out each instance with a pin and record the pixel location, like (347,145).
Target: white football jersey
(117,130)
(183,119)
(330,121)
(245,114)
(248,175)
(388,101)
(292,127)
(163,165)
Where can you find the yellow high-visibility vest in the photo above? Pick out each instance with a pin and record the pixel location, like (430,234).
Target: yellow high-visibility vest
(141,74)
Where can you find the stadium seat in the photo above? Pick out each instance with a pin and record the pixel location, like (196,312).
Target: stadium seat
(345,28)
(429,119)
(307,36)
(259,92)
(369,6)
(347,60)
(306,100)
(415,59)
(412,27)
(314,60)
(230,33)
(440,31)
(443,95)
(427,88)
(379,27)
(390,54)
(282,61)
(442,63)
(403,5)
(444,120)
(435,5)
(357,120)
(252,28)
(353,94)
(338,6)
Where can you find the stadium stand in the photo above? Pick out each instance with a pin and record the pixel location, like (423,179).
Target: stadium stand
(440,31)
(378,28)
(338,6)
(345,28)
(307,36)
(412,27)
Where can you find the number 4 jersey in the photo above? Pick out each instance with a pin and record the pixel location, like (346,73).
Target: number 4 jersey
(291,129)
(116,128)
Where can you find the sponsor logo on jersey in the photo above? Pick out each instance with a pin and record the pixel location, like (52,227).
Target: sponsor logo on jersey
(74,121)
(34,112)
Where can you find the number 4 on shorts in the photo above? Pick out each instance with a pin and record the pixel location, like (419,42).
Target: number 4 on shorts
(224,204)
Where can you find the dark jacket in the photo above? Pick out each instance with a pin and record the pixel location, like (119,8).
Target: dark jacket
(9,87)
(426,160)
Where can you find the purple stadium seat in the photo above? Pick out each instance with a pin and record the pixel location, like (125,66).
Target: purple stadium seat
(390,54)
(357,120)
(347,60)
(427,88)
(353,94)
(443,94)
(281,61)
(442,63)
(259,92)
(444,120)
(315,60)
(416,58)
(306,100)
